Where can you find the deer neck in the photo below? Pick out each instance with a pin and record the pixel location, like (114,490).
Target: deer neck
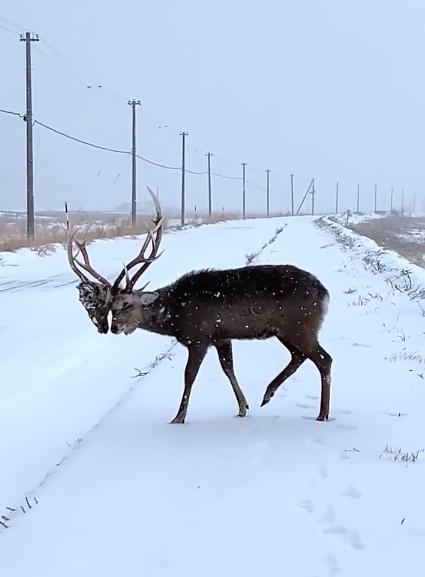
(156,317)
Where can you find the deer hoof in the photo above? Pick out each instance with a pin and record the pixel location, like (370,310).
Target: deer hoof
(243,409)
(323,417)
(266,399)
(177,421)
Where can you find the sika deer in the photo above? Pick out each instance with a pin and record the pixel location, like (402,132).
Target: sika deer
(212,307)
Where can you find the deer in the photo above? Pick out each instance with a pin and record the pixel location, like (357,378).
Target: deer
(210,308)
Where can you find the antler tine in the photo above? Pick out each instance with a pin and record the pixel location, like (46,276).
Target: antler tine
(147,262)
(156,202)
(139,258)
(87,266)
(72,260)
(154,236)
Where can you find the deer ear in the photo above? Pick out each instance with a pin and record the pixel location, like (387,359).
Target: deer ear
(148,298)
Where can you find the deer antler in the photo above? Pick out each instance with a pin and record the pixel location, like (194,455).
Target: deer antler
(77,265)
(153,237)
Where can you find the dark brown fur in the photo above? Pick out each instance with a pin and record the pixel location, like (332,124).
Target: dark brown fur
(212,307)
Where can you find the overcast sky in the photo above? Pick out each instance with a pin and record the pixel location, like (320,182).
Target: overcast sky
(331,89)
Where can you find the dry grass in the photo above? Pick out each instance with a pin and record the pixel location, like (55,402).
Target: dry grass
(393,231)
(400,455)
(51,229)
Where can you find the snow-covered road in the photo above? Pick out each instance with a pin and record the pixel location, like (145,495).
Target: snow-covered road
(123,492)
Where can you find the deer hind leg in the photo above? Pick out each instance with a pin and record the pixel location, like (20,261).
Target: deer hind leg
(296,361)
(196,356)
(224,351)
(323,362)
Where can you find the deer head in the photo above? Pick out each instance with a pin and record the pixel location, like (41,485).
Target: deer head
(99,297)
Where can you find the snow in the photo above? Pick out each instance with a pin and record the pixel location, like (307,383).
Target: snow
(120,491)
(413,235)
(356,217)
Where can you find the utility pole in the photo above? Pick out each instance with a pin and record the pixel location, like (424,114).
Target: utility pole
(376,197)
(391,200)
(358,197)
(292,194)
(208,155)
(414,202)
(28,38)
(402,202)
(183,135)
(336,197)
(133,104)
(268,191)
(243,190)
(313,192)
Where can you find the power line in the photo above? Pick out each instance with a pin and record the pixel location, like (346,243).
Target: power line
(66,60)
(226,176)
(11,112)
(69,73)
(11,23)
(158,163)
(9,30)
(116,150)
(196,171)
(256,185)
(120,151)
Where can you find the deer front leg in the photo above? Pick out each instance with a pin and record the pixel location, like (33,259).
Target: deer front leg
(196,356)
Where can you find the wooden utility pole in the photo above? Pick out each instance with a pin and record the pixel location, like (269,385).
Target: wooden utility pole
(208,155)
(292,194)
(402,202)
(358,197)
(337,197)
(183,135)
(133,104)
(243,190)
(391,200)
(28,38)
(414,202)
(268,191)
(376,198)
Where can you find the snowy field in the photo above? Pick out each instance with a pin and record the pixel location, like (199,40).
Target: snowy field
(94,481)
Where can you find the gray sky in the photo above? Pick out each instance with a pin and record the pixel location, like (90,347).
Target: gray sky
(331,89)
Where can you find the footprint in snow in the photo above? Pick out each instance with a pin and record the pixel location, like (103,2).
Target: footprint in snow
(352,493)
(351,537)
(344,411)
(306,505)
(304,406)
(329,516)
(346,427)
(332,563)
(315,441)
